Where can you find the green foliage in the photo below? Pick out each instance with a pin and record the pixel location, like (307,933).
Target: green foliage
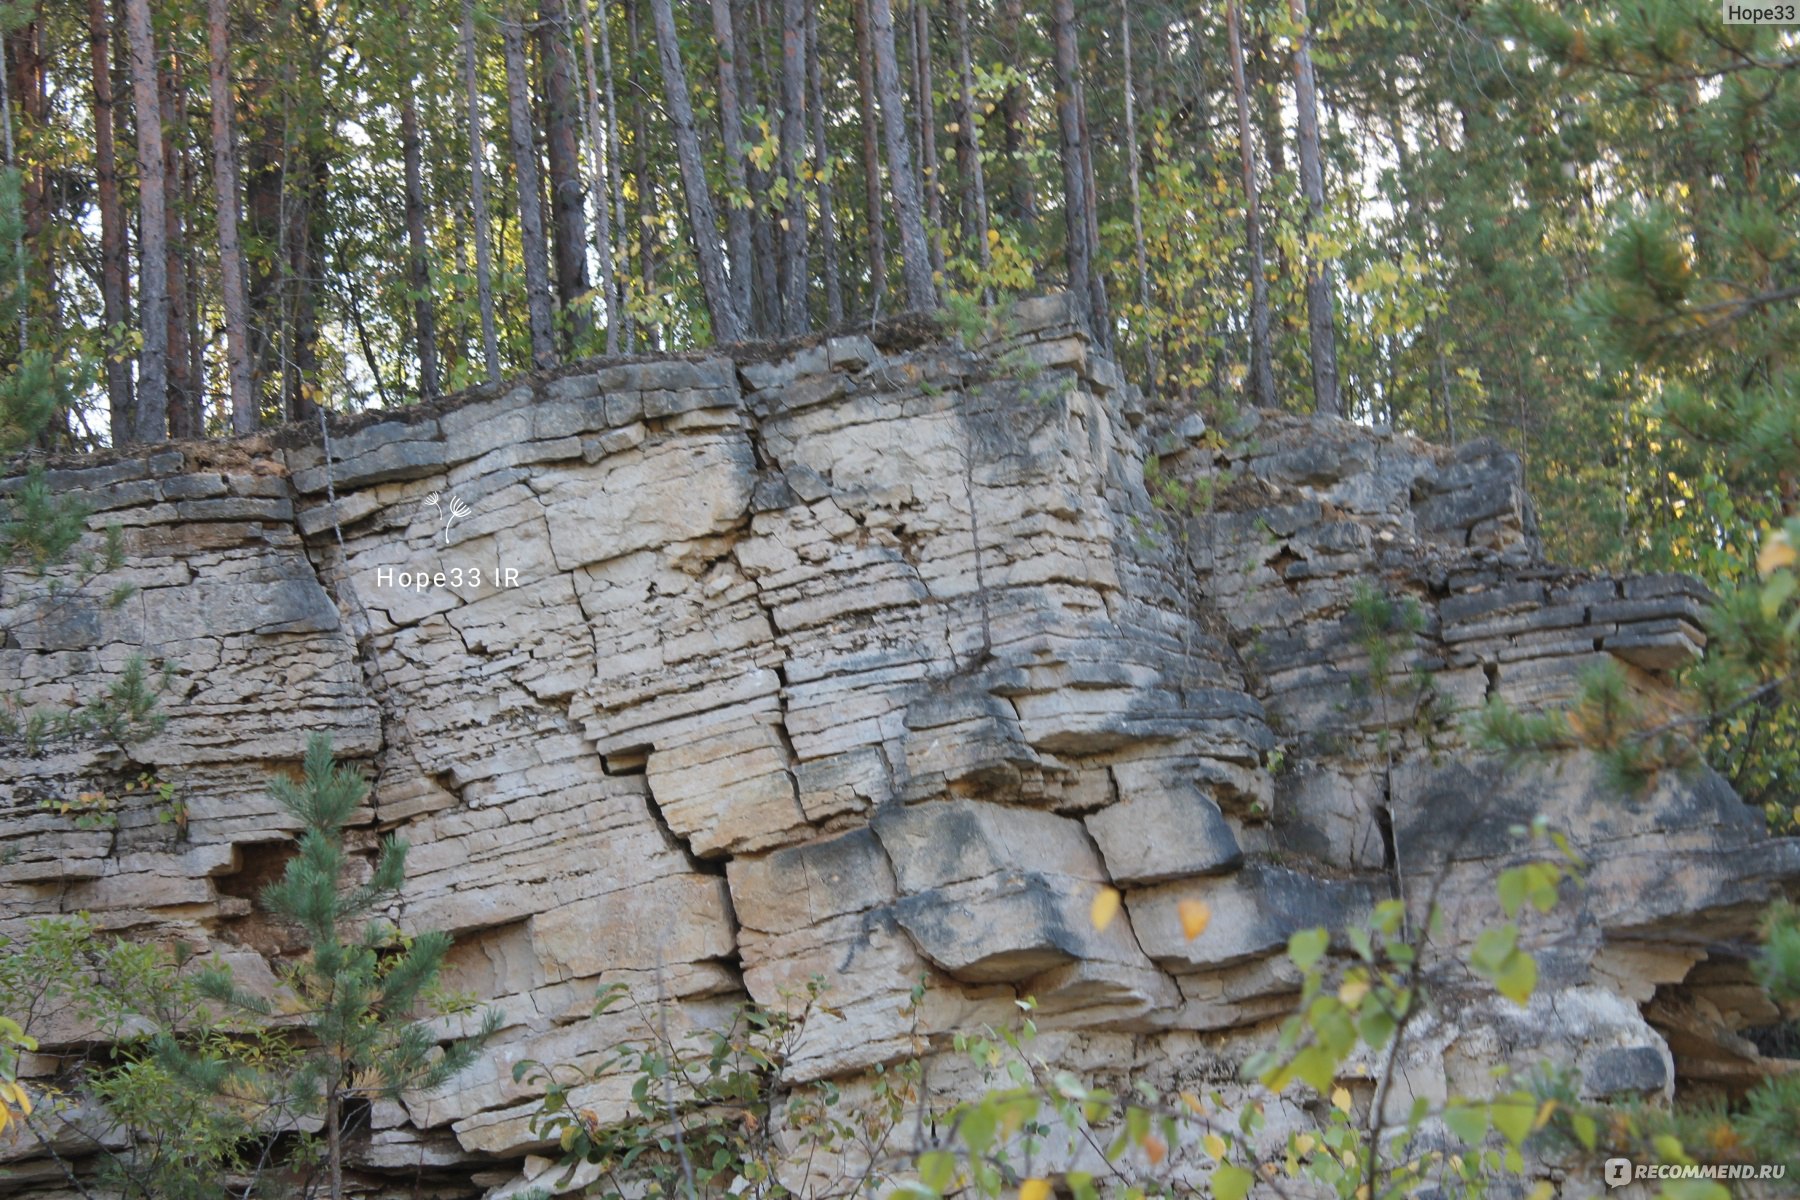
(1360,992)
(701,1119)
(15,1100)
(179,1115)
(128,710)
(1740,707)
(1750,667)
(360,979)
(38,526)
(195,1099)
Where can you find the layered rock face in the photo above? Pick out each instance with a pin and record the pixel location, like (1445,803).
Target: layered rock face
(874,661)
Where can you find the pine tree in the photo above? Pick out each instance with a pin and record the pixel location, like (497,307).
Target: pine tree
(360,981)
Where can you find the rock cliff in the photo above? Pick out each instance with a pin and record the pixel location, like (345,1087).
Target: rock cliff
(874,659)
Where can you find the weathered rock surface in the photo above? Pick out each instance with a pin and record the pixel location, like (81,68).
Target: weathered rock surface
(871,663)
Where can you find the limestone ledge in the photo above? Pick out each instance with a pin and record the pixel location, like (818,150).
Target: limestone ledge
(872,659)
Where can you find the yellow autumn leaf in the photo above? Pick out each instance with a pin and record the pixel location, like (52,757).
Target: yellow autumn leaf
(1104,908)
(1215,1145)
(1340,1099)
(1035,1189)
(1193,1103)
(1777,552)
(1304,1144)
(1195,916)
(1352,991)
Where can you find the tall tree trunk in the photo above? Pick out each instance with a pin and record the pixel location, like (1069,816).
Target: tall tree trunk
(24,62)
(644,182)
(1097,303)
(231,258)
(306,176)
(21,282)
(794,310)
(834,286)
(873,208)
(615,159)
(563,146)
(1135,166)
(418,260)
(1262,371)
(1014,104)
(183,401)
(927,115)
(307,251)
(334,1140)
(1319,316)
(152,417)
(766,277)
(113,293)
(484,269)
(191,266)
(703,223)
(737,178)
(1079,251)
(915,252)
(968,140)
(602,176)
(531,215)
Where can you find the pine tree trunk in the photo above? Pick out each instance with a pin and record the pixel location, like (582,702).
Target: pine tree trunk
(737,178)
(113,286)
(968,138)
(418,261)
(1014,105)
(602,176)
(796,318)
(531,215)
(231,258)
(308,250)
(703,224)
(874,213)
(1135,167)
(1097,303)
(182,399)
(1079,252)
(1319,316)
(615,173)
(1262,371)
(915,252)
(927,114)
(334,1140)
(21,281)
(484,266)
(563,146)
(834,287)
(152,417)
(765,311)
(643,180)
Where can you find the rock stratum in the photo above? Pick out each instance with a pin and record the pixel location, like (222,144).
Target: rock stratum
(874,660)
